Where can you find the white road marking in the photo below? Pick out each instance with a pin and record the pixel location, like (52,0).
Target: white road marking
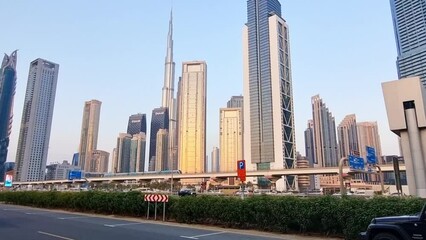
(66,218)
(14,209)
(203,235)
(121,224)
(34,213)
(53,235)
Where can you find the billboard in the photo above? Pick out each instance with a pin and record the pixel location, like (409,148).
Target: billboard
(8,180)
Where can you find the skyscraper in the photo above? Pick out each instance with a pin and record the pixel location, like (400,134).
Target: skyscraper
(7,93)
(137,124)
(235,102)
(348,136)
(159,120)
(89,132)
(192,117)
(34,136)
(368,135)
(409,21)
(309,143)
(162,145)
(215,159)
(137,152)
(98,160)
(268,99)
(325,142)
(231,138)
(168,99)
(121,160)
(75,158)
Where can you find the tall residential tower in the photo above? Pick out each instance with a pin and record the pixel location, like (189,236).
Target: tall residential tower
(409,21)
(7,93)
(192,117)
(268,99)
(34,136)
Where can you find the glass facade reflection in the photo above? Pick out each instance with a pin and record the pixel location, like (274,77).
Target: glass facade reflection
(7,92)
(159,120)
(409,20)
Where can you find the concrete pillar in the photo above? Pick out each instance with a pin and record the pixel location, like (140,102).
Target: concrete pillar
(418,165)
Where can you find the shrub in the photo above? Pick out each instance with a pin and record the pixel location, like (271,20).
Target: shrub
(326,215)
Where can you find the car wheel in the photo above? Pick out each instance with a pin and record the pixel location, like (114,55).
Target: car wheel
(385,236)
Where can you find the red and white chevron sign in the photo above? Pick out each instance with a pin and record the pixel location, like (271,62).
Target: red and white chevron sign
(156,198)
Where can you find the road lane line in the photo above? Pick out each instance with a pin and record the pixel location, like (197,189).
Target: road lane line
(35,213)
(66,218)
(203,235)
(121,224)
(53,235)
(14,209)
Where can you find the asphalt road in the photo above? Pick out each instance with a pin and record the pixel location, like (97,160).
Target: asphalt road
(22,223)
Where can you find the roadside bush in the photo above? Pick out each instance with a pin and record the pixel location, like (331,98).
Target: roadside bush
(325,215)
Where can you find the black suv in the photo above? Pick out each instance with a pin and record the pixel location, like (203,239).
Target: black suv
(186,192)
(397,228)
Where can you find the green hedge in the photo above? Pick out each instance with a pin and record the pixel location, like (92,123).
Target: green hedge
(314,215)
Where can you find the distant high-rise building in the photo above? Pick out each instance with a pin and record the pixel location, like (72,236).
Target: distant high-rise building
(192,117)
(409,21)
(159,120)
(309,143)
(368,135)
(34,136)
(348,136)
(121,162)
(231,138)
(137,124)
(137,152)
(268,99)
(75,157)
(215,159)
(99,161)
(7,93)
(59,171)
(161,156)
(325,143)
(89,132)
(235,102)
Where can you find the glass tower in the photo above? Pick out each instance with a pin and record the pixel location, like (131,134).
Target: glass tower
(268,99)
(159,120)
(7,92)
(137,124)
(409,21)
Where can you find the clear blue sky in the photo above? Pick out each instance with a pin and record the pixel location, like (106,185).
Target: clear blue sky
(114,51)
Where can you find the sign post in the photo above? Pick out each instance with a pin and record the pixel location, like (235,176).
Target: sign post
(241,171)
(156,198)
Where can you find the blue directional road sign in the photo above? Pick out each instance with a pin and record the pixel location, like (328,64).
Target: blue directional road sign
(356,163)
(371,155)
(74,174)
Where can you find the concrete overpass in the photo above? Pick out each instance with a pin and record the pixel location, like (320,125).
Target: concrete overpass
(177,177)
